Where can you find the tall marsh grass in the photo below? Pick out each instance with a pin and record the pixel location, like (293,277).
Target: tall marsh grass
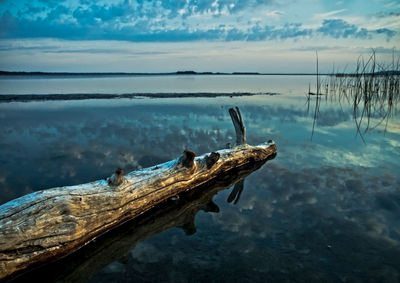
(372,89)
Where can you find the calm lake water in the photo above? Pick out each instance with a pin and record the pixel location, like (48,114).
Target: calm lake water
(324,210)
(147,84)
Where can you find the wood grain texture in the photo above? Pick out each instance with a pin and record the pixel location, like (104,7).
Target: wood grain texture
(51,223)
(118,244)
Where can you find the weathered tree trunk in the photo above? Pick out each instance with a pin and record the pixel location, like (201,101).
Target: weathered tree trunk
(117,244)
(52,223)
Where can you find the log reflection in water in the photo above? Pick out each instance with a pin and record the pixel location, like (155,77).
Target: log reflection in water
(118,243)
(236,192)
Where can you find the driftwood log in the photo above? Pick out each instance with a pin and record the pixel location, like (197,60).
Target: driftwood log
(118,244)
(52,223)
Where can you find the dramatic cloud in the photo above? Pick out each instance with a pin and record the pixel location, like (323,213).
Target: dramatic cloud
(338,28)
(280,26)
(388,14)
(388,32)
(170,21)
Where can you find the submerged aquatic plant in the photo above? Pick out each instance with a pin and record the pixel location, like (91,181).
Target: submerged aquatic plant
(373,90)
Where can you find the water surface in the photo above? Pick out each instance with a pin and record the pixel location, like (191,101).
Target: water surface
(324,210)
(148,84)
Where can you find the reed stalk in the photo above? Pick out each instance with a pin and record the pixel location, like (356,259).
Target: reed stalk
(372,90)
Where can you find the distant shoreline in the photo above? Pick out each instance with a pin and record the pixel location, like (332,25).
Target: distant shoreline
(184,73)
(125,74)
(6,98)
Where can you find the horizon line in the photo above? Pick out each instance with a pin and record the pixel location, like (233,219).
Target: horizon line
(62,73)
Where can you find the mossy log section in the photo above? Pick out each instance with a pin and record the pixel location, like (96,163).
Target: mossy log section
(52,223)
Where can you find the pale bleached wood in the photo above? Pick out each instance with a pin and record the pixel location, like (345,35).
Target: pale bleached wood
(52,223)
(117,245)
(238,123)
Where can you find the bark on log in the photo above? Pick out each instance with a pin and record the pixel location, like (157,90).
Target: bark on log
(118,244)
(52,223)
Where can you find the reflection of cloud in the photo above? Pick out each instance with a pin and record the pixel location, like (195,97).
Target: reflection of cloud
(81,145)
(343,157)
(332,117)
(233,222)
(311,214)
(147,253)
(393,143)
(330,202)
(115,267)
(337,193)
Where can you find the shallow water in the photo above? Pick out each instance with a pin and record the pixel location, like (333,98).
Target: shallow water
(324,210)
(148,84)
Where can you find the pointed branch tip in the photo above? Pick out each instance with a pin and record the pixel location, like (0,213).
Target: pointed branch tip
(238,123)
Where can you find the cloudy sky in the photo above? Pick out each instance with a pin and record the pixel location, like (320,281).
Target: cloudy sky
(209,35)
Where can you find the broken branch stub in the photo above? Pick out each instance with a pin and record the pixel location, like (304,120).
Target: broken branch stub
(187,159)
(240,129)
(117,178)
(211,159)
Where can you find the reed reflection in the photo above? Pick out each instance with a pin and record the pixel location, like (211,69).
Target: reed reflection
(372,91)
